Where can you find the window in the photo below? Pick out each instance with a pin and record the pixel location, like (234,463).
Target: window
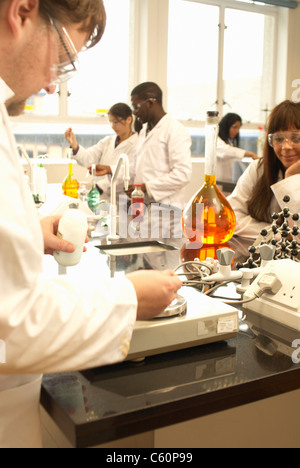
(43,104)
(205,54)
(248,63)
(103,77)
(193,59)
(104,70)
(220,57)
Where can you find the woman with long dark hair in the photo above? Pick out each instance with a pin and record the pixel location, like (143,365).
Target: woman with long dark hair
(228,150)
(261,189)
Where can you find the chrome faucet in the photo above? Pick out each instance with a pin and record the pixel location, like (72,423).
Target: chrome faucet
(30,167)
(123,160)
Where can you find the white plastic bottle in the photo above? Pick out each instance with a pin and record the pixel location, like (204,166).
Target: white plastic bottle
(72,227)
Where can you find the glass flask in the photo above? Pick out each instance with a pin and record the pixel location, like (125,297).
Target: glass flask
(94,197)
(137,202)
(70,184)
(208,218)
(191,251)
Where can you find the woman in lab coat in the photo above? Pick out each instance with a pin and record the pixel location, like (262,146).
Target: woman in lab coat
(228,150)
(106,152)
(261,189)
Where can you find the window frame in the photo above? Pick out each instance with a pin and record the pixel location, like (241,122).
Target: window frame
(251,8)
(149,52)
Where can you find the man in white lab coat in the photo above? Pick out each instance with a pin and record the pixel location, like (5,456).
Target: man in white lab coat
(51,325)
(163,162)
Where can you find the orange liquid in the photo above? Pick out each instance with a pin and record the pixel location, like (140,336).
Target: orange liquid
(190,251)
(215,223)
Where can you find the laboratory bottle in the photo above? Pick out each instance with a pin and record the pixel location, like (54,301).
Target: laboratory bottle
(72,227)
(94,197)
(40,180)
(70,184)
(208,218)
(137,202)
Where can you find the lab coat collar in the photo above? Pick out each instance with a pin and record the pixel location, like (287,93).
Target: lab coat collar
(159,124)
(162,121)
(5,91)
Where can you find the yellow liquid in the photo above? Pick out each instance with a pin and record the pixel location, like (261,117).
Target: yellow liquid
(70,184)
(217,219)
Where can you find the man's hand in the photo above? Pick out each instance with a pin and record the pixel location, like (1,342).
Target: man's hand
(155,291)
(101,170)
(49,226)
(293,169)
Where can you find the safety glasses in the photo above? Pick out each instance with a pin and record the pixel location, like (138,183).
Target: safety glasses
(137,107)
(68,64)
(279,139)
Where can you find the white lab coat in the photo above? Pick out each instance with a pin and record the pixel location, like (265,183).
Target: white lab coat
(105,152)
(248,226)
(226,156)
(47,325)
(164,161)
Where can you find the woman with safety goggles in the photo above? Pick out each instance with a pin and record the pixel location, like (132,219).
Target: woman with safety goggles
(261,189)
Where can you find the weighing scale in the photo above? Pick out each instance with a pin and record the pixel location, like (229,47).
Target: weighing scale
(194,319)
(200,320)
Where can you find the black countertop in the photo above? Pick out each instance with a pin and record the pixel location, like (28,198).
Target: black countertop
(100,405)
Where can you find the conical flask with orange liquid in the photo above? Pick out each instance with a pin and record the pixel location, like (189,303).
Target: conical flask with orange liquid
(208,218)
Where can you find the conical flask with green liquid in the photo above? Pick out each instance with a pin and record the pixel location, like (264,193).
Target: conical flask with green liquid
(94,197)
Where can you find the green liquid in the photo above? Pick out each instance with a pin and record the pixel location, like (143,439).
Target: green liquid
(93,199)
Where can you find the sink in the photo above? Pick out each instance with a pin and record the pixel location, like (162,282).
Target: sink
(131,248)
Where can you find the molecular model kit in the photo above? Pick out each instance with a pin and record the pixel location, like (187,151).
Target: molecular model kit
(279,241)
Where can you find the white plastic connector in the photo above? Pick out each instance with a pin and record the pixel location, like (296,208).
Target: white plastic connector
(247,277)
(284,306)
(224,274)
(269,283)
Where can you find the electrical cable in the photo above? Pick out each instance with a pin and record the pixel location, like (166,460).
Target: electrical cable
(244,301)
(201,271)
(217,286)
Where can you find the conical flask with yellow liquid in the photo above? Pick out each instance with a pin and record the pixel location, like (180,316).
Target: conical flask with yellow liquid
(208,218)
(70,185)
